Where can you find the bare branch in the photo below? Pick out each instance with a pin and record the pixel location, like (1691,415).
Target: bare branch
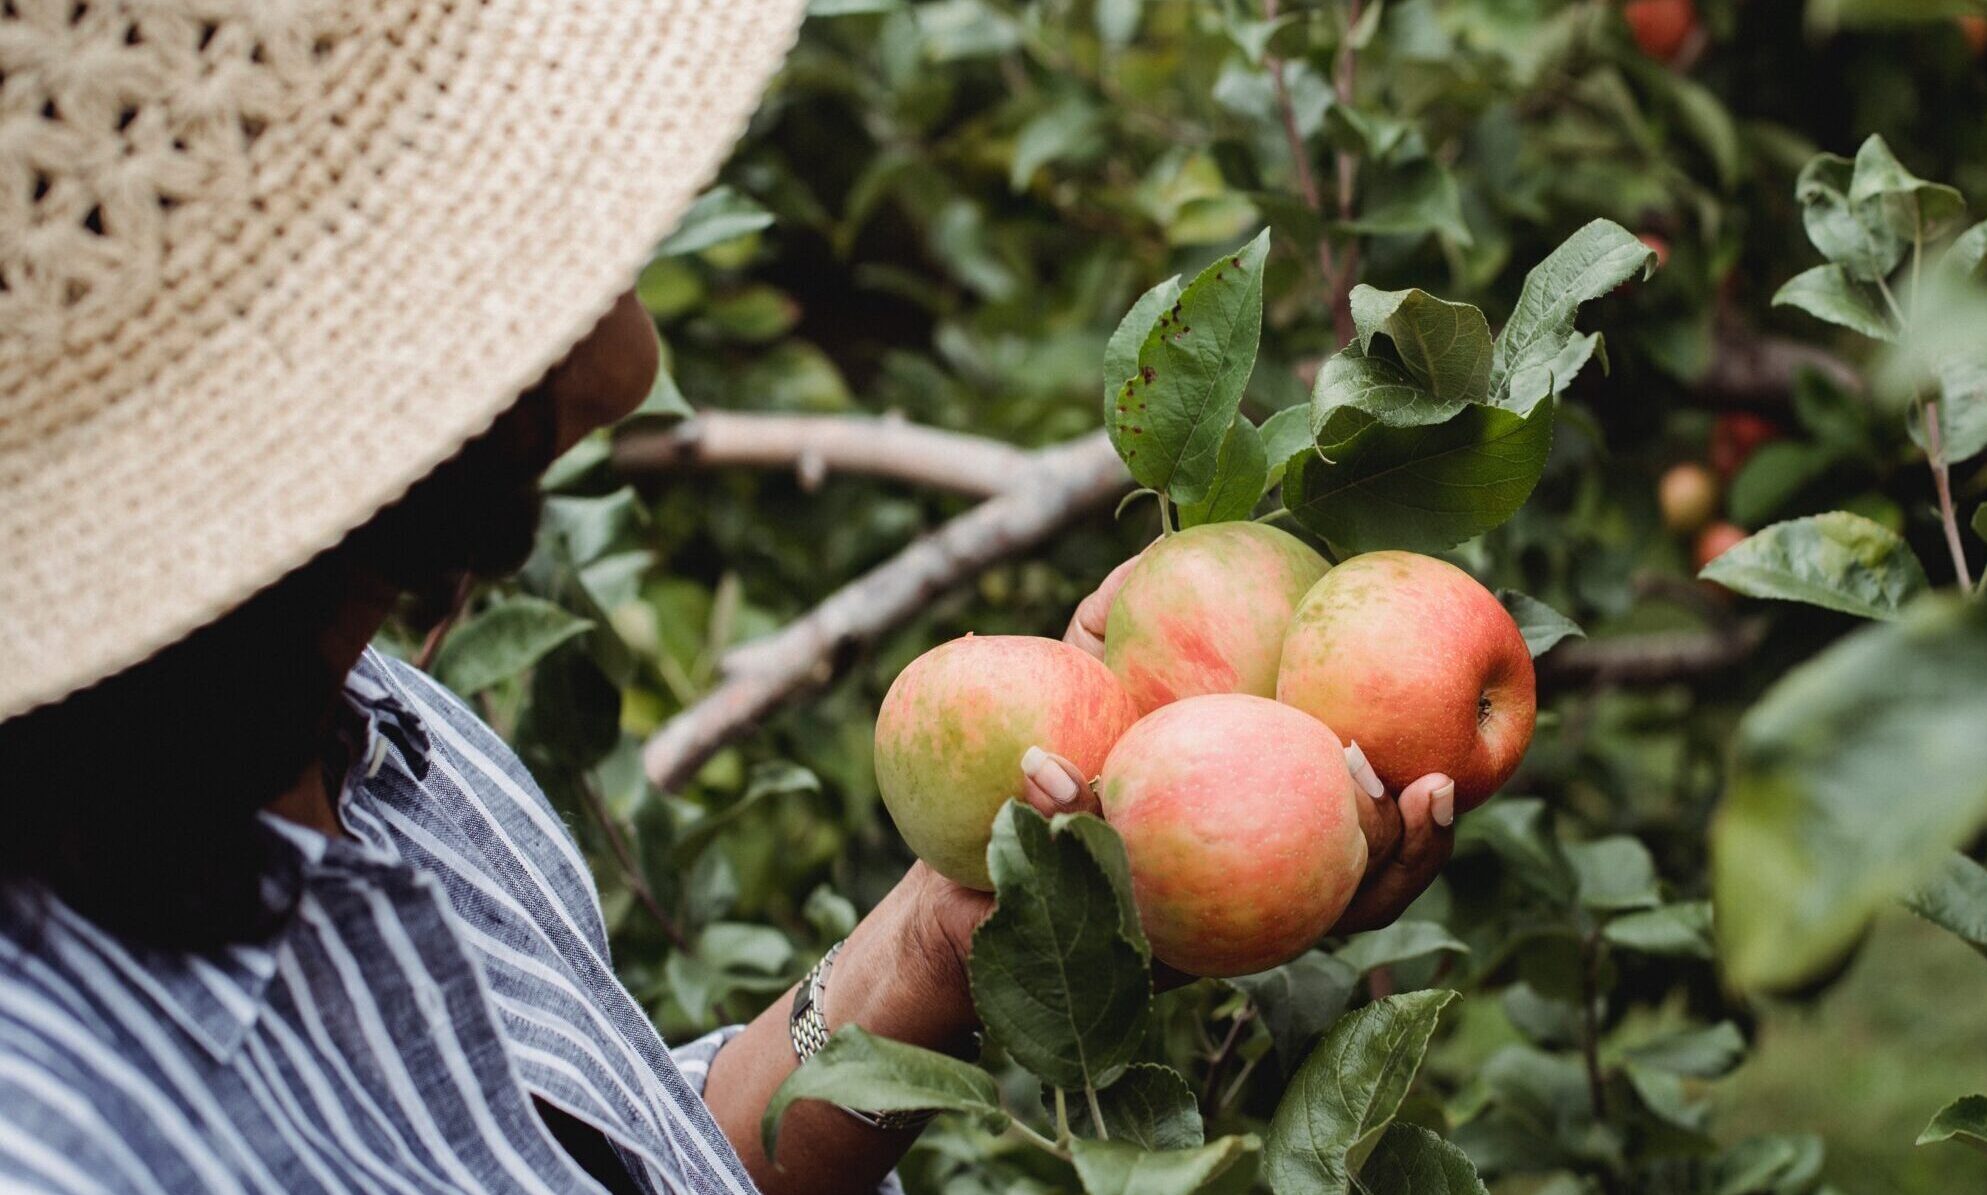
(1056,486)
(1651,659)
(1747,367)
(818,446)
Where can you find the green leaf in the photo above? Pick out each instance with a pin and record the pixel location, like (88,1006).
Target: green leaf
(859,1070)
(773,778)
(1170,414)
(1354,390)
(1613,873)
(1122,1168)
(1421,488)
(720,214)
(1829,293)
(1775,476)
(1285,434)
(1838,561)
(1541,625)
(1444,346)
(503,641)
(1241,474)
(1397,943)
(1853,778)
(1066,127)
(1299,1000)
(1055,975)
(1121,351)
(1706,119)
(1912,208)
(1410,1160)
(591,527)
(1515,829)
(1954,897)
(1150,1106)
(1347,1092)
(1964,1120)
(1702,1053)
(1967,252)
(1852,236)
(1680,929)
(1417,197)
(1526,366)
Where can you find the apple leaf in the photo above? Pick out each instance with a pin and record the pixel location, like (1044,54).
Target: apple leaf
(1445,347)
(1397,943)
(720,214)
(1124,1168)
(1839,561)
(1241,474)
(1299,1000)
(1354,390)
(1613,873)
(1121,351)
(1911,207)
(1285,434)
(1150,1106)
(1410,1160)
(1801,855)
(860,1070)
(1526,364)
(1706,1052)
(1056,975)
(1541,625)
(1964,1120)
(1967,252)
(1169,415)
(1954,897)
(1421,488)
(1347,1092)
(1679,929)
(1829,293)
(1517,831)
(1850,235)
(503,641)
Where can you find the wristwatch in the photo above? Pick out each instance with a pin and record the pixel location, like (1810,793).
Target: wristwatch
(809,1030)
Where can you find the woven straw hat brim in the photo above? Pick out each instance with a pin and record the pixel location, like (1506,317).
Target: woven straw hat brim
(264,334)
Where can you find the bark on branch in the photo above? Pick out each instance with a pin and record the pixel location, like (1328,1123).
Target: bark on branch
(1750,368)
(1650,659)
(815,446)
(1052,488)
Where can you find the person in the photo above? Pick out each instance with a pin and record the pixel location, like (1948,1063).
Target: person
(304,299)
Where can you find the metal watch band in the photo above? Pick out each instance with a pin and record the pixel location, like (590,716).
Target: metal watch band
(809,1030)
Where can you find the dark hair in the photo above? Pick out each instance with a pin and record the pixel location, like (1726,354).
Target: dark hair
(135,800)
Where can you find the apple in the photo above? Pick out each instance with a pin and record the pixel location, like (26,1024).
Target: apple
(1657,245)
(1409,657)
(1735,436)
(1973,28)
(1716,540)
(1204,611)
(1239,818)
(1661,27)
(1688,496)
(951,732)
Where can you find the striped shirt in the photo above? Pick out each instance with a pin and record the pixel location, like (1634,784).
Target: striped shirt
(445,966)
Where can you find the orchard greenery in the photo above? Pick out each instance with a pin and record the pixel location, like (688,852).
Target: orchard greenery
(1380,222)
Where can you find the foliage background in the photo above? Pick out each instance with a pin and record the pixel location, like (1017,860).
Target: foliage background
(942,211)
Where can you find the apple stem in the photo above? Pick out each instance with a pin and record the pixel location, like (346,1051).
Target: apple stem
(1096,1112)
(1166,524)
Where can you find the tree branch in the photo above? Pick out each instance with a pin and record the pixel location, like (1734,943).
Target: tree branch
(815,446)
(1055,487)
(1651,659)
(1747,367)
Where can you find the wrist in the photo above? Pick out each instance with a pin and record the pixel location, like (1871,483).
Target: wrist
(901,976)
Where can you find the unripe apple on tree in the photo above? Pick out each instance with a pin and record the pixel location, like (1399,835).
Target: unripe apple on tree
(951,732)
(1238,817)
(1204,611)
(1412,659)
(1688,496)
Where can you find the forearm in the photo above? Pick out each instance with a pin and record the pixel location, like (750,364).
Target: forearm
(888,980)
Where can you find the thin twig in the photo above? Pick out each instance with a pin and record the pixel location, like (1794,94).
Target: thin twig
(617,841)
(1590,1025)
(1219,1063)
(1346,75)
(1935,455)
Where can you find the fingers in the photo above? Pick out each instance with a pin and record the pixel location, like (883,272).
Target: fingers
(1427,836)
(1379,816)
(1054,785)
(1086,628)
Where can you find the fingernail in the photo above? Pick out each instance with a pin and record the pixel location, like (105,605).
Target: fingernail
(1047,773)
(1442,803)
(1362,772)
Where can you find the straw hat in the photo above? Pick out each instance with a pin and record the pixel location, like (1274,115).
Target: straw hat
(265,263)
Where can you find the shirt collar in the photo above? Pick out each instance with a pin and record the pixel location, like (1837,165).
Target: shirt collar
(216,996)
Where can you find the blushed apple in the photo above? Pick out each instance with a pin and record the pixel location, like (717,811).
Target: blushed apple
(1412,659)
